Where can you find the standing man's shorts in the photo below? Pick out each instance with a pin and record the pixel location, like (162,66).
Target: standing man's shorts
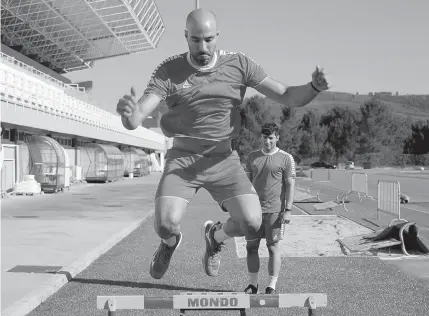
(270,228)
(220,174)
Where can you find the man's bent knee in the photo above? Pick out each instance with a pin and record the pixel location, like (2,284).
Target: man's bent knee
(252,246)
(251,226)
(166,230)
(245,210)
(272,246)
(168,215)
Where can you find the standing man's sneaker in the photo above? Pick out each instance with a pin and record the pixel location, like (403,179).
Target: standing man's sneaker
(270,290)
(211,258)
(161,258)
(251,289)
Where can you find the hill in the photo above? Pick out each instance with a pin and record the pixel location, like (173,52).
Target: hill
(413,107)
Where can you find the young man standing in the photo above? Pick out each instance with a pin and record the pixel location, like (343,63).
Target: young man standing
(272,172)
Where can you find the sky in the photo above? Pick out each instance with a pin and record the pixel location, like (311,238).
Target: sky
(364,46)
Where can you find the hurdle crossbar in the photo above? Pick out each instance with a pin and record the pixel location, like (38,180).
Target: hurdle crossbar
(213,301)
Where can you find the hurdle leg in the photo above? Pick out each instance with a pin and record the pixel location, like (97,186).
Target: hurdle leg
(111,307)
(312,306)
(318,195)
(401,236)
(338,198)
(343,199)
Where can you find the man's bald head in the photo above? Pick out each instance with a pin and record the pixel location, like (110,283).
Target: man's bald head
(201,19)
(201,33)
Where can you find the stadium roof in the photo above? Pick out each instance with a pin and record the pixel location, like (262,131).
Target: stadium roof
(68,35)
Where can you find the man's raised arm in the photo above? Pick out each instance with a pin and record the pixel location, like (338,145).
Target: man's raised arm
(133,112)
(295,96)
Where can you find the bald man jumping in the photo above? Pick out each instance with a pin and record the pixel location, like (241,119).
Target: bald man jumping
(203,89)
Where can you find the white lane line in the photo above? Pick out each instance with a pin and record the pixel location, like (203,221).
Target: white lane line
(297,208)
(416,210)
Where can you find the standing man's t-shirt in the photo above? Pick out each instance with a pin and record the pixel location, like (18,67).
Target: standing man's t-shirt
(268,174)
(203,101)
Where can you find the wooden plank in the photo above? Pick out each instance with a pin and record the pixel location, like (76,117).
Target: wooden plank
(325,205)
(362,243)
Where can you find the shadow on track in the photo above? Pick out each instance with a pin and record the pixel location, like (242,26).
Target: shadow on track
(144,285)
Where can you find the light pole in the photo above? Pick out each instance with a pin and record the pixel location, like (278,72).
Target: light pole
(197,4)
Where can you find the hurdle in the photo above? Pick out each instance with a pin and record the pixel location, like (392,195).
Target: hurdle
(359,186)
(209,301)
(389,201)
(317,176)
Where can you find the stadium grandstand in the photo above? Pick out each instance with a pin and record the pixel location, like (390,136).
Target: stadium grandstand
(53,132)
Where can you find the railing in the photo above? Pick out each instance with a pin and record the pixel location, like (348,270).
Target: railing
(20,89)
(71,88)
(26,67)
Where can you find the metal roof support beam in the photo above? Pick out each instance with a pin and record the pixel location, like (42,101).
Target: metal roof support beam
(154,28)
(71,34)
(70,25)
(107,26)
(36,27)
(159,34)
(143,6)
(150,25)
(147,12)
(138,22)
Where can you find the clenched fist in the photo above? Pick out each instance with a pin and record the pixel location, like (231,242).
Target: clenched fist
(284,216)
(320,79)
(127,105)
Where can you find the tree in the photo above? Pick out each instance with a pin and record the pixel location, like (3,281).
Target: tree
(327,153)
(254,112)
(320,136)
(375,127)
(309,122)
(261,109)
(307,146)
(342,130)
(288,113)
(418,142)
(289,136)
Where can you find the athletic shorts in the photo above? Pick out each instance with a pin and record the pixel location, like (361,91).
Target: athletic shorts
(270,228)
(221,175)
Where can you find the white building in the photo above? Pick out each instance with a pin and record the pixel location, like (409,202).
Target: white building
(50,126)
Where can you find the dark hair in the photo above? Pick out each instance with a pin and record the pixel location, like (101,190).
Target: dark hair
(270,128)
